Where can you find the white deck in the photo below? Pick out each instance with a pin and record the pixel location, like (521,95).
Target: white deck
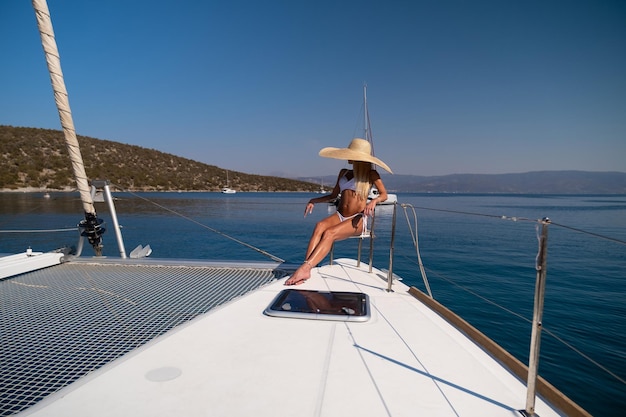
(236,361)
(24,262)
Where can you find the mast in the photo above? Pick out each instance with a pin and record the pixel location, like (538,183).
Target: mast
(91,225)
(367,126)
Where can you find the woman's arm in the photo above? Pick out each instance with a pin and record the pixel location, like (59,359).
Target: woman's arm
(325,198)
(382,192)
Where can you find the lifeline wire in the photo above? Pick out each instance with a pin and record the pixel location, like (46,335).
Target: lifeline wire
(515,219)
(548,331)
(519,316)
(590,233)
(71,229)
(261,251)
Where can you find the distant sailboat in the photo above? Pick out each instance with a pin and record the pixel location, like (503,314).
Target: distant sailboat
(227,189)
(322,190)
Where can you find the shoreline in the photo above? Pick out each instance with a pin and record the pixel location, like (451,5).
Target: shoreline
(34,190)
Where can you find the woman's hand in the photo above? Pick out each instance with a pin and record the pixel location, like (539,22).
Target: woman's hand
(370,207)
(309,208)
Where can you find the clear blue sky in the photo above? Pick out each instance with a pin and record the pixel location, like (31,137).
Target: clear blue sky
(258,86)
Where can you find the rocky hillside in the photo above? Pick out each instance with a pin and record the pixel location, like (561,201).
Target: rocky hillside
(38,158)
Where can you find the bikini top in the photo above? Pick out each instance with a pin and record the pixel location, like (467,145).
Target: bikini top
(347,184)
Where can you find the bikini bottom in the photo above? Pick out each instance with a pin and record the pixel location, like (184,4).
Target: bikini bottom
(344,218)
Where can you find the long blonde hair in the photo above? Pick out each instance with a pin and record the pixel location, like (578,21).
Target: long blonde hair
(362,178)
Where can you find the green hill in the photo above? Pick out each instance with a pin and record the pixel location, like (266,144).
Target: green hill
(38,158)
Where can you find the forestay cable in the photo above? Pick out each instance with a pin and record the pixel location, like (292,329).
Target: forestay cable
(261,251)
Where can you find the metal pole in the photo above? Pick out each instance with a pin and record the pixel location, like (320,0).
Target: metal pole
(393,237)
(104,184)
(535,339)
(371,260)
(116,225)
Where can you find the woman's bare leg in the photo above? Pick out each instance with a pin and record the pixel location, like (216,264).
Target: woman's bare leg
(340,231)
(319,230)
(304,271)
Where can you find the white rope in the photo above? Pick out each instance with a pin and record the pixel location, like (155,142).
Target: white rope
(416,244)
(61,98)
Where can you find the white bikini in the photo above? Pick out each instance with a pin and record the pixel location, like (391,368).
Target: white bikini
(350,184)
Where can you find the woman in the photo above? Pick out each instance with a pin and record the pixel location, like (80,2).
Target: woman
(353,209)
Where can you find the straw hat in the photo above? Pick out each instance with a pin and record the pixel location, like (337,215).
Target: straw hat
(358,150)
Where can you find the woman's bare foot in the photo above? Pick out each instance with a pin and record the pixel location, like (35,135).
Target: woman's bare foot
(301,275)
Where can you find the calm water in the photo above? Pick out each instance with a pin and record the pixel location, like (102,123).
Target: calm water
(467,256)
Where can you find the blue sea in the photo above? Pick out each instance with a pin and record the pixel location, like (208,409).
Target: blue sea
(479,252)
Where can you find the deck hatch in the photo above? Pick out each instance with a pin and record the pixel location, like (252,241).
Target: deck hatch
(320,305)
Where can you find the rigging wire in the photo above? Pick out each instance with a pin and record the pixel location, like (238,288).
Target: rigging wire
(590,233)
(527,320)
(261,251)
(488,301)
(37,207)
(69,229)
(516,219)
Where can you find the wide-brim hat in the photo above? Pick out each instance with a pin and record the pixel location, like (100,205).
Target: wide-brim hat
(358,150)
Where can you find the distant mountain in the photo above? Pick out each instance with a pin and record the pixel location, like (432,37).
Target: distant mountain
(539,182)
(37,158)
